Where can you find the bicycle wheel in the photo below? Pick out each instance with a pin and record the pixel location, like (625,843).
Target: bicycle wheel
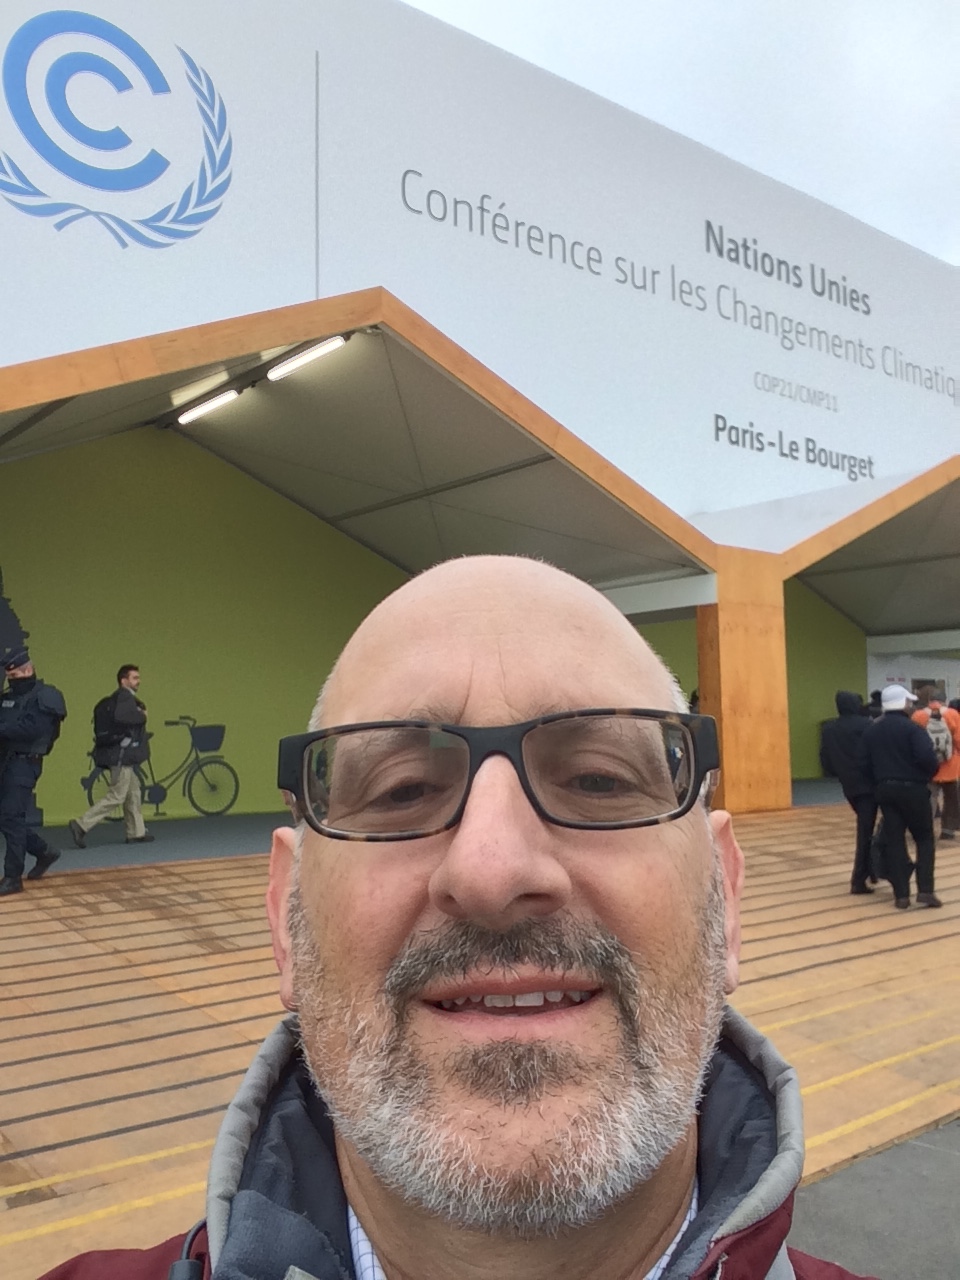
(212,787)
(97,786)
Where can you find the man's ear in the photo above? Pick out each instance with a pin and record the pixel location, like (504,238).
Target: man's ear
(282,857)
(731,862)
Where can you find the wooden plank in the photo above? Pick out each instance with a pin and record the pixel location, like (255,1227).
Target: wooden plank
(862,999)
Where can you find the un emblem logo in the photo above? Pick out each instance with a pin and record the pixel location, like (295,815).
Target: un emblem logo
(40,106)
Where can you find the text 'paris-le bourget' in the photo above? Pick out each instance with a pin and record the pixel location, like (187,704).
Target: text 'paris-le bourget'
(811,452)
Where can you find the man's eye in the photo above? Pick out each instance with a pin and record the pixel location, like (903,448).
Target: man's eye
(401,794)
(596,783)
(602,779)
(406,793)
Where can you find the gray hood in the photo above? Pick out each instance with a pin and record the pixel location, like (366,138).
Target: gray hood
(751,1159)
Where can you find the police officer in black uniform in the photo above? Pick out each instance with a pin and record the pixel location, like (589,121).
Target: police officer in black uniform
(30,716)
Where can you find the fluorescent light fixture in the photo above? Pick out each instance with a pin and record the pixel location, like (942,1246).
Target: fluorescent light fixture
(207,406)
(304,357)
(180,397)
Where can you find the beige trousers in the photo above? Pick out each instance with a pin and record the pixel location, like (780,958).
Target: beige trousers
(124,792)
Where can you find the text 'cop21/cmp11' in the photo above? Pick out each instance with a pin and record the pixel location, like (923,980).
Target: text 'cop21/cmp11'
(752,440)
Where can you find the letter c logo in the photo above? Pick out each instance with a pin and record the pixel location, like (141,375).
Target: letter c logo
(21,49)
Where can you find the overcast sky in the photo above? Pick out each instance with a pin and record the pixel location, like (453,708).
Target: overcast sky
(856,102)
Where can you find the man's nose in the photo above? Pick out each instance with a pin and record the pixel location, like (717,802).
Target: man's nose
(500,865)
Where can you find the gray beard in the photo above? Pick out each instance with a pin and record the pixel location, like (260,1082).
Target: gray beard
(387,1104)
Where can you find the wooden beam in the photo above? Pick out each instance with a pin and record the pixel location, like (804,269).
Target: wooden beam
(463,368)
(119,363)
(741,643)
(819,545)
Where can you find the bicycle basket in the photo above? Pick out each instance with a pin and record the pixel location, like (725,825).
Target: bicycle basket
(208,737)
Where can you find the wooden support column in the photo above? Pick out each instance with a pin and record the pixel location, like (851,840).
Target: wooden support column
(741,642)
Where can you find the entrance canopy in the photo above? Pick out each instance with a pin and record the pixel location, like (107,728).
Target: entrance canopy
(397,438)
(903,576)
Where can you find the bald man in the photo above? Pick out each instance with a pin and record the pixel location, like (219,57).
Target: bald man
(505,925)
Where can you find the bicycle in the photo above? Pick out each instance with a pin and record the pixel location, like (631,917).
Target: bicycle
(209,782)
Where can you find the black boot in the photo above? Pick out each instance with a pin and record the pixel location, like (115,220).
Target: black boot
(10,884)
(43,863)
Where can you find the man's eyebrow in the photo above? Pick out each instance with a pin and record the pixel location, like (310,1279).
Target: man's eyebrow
(446,715)
(435,714)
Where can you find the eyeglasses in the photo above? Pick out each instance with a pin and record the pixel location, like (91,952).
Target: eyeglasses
(597,770)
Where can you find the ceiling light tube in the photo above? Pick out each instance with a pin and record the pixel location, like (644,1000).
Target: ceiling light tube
(304,357)
(207,406)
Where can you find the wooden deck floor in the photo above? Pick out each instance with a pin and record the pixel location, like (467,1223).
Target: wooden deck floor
(132,1000)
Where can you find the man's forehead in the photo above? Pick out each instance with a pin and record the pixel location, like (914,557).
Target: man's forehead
(494,628)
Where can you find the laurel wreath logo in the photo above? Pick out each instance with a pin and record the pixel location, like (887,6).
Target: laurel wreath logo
(179,220)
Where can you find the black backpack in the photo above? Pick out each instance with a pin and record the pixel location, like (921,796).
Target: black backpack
(106,731)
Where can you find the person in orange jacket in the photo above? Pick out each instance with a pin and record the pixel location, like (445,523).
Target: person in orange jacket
(945,786)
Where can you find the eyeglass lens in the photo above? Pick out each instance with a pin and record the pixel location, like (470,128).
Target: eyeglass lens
(608,768)
(592,769)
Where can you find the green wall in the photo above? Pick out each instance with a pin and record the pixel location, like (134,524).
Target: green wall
(676,643)
(825,652)
(234,602)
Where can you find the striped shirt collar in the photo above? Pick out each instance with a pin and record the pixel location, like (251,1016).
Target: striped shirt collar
(368,1267)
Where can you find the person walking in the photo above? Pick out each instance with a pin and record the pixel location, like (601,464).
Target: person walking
(897,756)
(121,743)
(943,728)
(840,758)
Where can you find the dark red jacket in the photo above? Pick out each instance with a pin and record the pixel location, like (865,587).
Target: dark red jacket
(155,1263)
(275,1197)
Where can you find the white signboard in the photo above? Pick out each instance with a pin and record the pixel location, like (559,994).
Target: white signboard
(724,340)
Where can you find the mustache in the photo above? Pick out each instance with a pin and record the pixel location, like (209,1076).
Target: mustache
(555,944)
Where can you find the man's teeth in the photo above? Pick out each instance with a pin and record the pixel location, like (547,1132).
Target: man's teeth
(528,999)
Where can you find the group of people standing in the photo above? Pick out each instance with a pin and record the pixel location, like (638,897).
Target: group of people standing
(900,755)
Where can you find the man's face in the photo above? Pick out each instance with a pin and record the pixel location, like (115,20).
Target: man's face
(131,681)
(509,1020)
(24,671)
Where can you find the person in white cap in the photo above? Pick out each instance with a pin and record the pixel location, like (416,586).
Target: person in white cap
(898,756)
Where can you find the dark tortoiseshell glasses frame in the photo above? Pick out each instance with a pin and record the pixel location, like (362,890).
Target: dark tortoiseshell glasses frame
(506,740)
